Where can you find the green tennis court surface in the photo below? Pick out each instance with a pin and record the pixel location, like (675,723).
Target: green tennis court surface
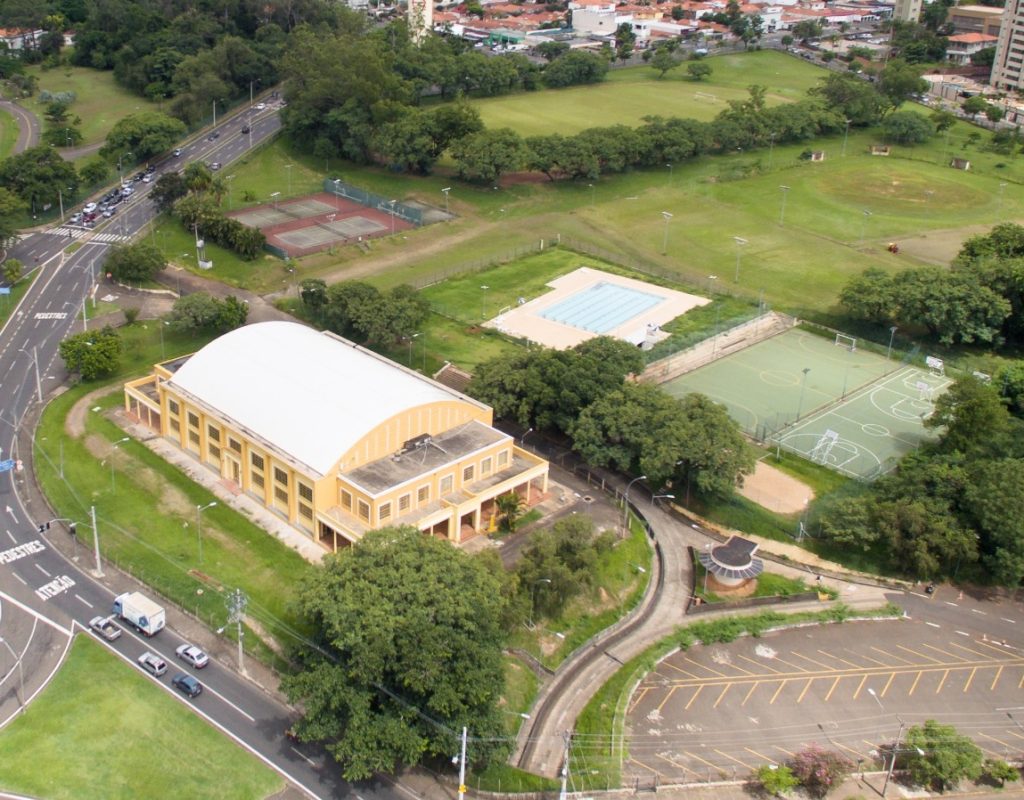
(796,388)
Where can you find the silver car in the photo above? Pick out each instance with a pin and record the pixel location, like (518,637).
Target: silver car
(153,664)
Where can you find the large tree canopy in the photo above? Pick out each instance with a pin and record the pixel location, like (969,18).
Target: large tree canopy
(409,652)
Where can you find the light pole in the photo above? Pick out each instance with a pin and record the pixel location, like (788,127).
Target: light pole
(228,180)
(740,244)
(117,444)
(771,149)
(625,504)
(892,335)
(410,348)
(671,173)
(289,168)
(803,387)
(533,598)
(863,224)
(199,526)
(274,196)
(445,191)
(214,113)
(846,136)
(782,211)
(21,673)
(35,361)
(163,351)
(337,195)
(664,244)
(707,549)
(591,194)
(392,204)
(120,176)
(892,762)
(483,297)
(711,283)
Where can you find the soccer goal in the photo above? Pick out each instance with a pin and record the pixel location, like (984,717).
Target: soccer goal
(706,96)
(846,342)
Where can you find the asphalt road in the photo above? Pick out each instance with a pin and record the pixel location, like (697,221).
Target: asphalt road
(28,126)
(45,597)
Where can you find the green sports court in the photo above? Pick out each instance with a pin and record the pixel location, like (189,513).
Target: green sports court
(837,404)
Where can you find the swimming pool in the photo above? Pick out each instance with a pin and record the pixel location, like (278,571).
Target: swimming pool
(601,307)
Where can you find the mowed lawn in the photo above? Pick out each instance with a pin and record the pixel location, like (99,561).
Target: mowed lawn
(103,731)
(8,134)
(100,101)
(628,95)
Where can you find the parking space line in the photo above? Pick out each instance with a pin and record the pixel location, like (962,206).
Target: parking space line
(800,699)
(740,669)
(1014,733)
(705,666)
(753,686)
(850,749)
(758,664)
(784,750)
(790,664)
(667,696)
(997,741)
(944,652)
(673,762)
(777,691)
(998,649)
(921,655)
(969,650)
(695,694)
(704,760)
(876,661)
(888,683)
(636,700)
(942,681)
(843,660)
(914,684)
(678,669)
(732,758)
(808,658)
(893,655)
(725,691)
(860,686)
(761,756)
(970,679)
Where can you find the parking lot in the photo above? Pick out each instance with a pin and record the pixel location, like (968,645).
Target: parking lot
(723,710)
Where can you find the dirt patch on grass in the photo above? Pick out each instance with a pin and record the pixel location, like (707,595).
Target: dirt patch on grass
(74,422)
(775,490)
(939,247)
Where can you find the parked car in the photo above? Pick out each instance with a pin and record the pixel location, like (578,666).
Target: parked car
(88,208)
(147,178)
(150,169)
(187,684)
(105,627)
(75,218)
(153,664)
(191,654)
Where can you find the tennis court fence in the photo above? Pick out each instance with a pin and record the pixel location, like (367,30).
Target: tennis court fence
(339,188)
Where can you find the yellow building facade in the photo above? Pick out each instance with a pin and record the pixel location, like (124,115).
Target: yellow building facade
(334,438)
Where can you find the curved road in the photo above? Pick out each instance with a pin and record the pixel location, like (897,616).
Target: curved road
(28,125)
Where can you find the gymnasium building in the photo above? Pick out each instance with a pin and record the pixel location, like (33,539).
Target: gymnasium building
(334,438)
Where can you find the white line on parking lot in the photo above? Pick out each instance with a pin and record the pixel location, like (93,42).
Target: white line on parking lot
(918,594)
(951,603)
(81,599)
(979,611)
(1004,619)
(963,633)
(933,624)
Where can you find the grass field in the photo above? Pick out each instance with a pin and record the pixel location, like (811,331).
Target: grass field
(628,95)
(8,134)
(121,736)
(100,102)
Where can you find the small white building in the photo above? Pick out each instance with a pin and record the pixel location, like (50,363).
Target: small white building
(964,45)
(598,17)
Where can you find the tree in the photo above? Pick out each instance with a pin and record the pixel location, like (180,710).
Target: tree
(807,29)
(625,41)
(971,417)
(819,770)
(906,127)
(993,503)
(38,176)
(487,155)
(144,134)
(997,771)
(575,68)
(313,293)
(10,206)
(852,97)
(94,354)
(664,61)
(994,113)
(201,312)
(94,171)
(134,263)
(409,654)
(168,189)
(899,81)
(976,104)
(942,120)
(776,779)
(12,271)
(984,58)
(948,757)
(552,50)
(511,507)
(699,70)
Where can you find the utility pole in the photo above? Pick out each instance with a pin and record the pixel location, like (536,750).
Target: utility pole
(565,765)
(237,601)
(892,762)
(462,767)
(96,542)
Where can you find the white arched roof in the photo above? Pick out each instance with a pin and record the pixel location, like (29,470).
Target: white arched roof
(309,394)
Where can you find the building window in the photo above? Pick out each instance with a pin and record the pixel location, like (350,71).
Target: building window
(423,494)
(446,484)
(467,474)
(280,476)
(173,407)
(404,502)
(256,471)
(305,503)
(281,495)
(193,437)
(174,425)
(213,432)
(305,511)
(346,500)
(214,452)
(305,492)
(193,419)
(485,466)
(364,510)
(385,511)
(503,458)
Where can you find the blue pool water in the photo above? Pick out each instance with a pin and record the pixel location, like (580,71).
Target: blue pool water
(601,308)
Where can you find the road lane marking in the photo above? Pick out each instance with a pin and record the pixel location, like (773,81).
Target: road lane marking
(1021,684)
(777,691)
(888,683)
(671,761)
(82,600)
(997,648)
(951,603)
(1007,619)
(963,633)
(876,661)
(931,624)
(914,684)
(983,613)
(1014,733)
(753,686)
(725,691)
(305,758)
(223,699)
(800,699)
(997,741)
(790,664)
(995,680)
(835,683)
(942,681)
(840,744)
(860,686)
(11,537)
(23,581)
(970,679)
(695,695)
(47,574)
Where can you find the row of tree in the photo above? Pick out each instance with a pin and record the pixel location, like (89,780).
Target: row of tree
(362,312)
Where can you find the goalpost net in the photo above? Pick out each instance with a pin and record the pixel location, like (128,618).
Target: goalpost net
(705,96)
(846,342)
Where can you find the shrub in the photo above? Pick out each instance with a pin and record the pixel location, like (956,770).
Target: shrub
(819,770)
(775,779)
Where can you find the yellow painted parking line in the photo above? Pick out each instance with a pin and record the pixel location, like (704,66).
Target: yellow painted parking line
(850,749)
(876,661)
(997,741)
(797,667)
(914,684)
(1014,733)
(777,691)
(997,648)
(843,660)
(702,760)
(667,696)
(695,694)
(835,683)
(705,666)
(920,655)
(762,756)
(740,669)
(637,700)
(674,763)
(808,658)
(888,683)
(732,758)
(995,680)
(944,652)
(758,663)
(970,678)
(892,655)
(1021,684)
(942,681)
(860,686)
(753,686)
(725,691)
(678,669)
(970,650)
(800,699)
(784,750)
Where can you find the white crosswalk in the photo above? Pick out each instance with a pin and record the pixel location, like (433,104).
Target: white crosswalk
(75,233)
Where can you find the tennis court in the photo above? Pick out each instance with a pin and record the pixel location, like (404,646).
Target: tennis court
(847,408)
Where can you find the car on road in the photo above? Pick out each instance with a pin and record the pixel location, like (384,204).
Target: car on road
(177,152)
(153,664)
(147,178)
(105,627)
(191,654)
(127,191)
(261,106)
(187,684)
(109,212)
(75,218)
(150,169)
(214,165)
(88,208)
(246,129)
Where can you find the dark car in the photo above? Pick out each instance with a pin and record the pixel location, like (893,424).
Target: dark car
(150,169)
(246,129)
(186,684)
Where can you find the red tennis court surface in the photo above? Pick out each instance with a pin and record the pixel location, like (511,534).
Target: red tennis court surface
(317,222)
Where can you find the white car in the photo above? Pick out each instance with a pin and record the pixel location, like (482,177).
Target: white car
(89,208)
(191,654)
(147,178)
(261,106)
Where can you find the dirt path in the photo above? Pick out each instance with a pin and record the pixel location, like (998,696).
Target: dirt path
(74,422)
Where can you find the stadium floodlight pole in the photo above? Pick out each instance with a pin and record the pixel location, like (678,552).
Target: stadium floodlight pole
(740,244)
(392,204)
(483,297)
(445,191)
(845,137)
(892,335)
(664,245)
(199,526)
(625,504)
(671,173)
(803,387)
(782,211)
(863,224)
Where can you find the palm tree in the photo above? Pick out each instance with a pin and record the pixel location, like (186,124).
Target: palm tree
(511,507)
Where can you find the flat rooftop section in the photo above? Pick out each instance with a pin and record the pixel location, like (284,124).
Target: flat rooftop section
(589,302)
(446,448)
